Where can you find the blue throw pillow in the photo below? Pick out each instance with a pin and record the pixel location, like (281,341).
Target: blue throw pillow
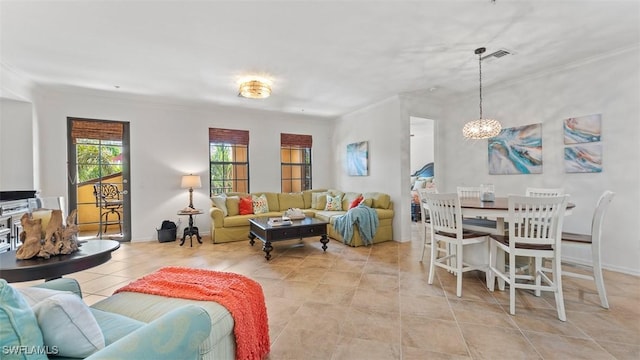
(20,336)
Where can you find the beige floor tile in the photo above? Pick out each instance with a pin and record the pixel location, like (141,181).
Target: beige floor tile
(355,348)
(553,347)
(497,343)
(374,303)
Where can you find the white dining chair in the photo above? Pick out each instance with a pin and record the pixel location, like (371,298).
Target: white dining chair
(475,223)
(446,229)
(535,229)
(537,192)
(469,191)
(425,217)
(594,241)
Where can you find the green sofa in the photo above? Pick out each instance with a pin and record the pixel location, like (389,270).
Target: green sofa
(228,225)
(134,325)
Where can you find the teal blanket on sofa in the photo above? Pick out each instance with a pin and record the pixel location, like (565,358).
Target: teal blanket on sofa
(365,217)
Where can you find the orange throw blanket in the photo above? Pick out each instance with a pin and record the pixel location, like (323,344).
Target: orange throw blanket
(242,296)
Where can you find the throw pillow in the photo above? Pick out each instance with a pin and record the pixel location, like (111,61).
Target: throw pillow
(367,202)
(34,295)
(334,203)
(220,201)
(245,206)
(19,326)
(67,323)
(356,202)
(233,205)
(260,204)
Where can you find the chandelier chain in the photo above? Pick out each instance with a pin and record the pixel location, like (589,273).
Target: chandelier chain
(480,65)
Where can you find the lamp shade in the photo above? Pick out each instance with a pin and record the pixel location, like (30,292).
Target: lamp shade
(191,181)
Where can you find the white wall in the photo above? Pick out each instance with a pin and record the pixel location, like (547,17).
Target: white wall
(384,127)
(168,141)
(16,130)
(609,86)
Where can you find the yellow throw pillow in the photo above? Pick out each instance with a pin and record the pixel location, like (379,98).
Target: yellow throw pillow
(233,207)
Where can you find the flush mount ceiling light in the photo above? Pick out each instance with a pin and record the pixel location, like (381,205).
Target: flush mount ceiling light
(255,88)
(481,128)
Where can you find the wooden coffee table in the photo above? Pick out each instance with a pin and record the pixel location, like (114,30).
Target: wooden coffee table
(307,227)
(91,253)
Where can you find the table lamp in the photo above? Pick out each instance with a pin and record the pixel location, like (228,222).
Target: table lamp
(189,182)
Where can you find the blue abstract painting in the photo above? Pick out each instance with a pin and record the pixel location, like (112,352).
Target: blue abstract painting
(583,129)
(516,150)
(358,158)
(583,158)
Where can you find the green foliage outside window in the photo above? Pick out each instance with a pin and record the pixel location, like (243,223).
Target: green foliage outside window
(97,161)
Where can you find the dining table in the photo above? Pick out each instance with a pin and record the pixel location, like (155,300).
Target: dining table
(489,217)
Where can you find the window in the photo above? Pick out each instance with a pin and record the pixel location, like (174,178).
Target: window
(295,158)
(228,160)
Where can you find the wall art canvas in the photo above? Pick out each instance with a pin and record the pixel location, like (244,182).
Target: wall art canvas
(583,158)
(358,159)
(516,150)
(583,129)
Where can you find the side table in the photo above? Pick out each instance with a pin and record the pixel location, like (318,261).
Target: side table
(191,230)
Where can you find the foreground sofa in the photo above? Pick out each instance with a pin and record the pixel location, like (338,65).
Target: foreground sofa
(138,326)
(228,225)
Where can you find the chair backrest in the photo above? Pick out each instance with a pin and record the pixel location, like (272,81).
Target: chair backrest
(598,216)
(423,203)
(105,192)
(469,191)
(536,220)
(444,210)
(537,192)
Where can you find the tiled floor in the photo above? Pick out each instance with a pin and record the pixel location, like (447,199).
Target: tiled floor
(375,303)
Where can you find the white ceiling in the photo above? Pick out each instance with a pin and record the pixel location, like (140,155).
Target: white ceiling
(325,58)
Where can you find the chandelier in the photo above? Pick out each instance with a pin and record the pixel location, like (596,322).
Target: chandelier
(255,89)
(481,128)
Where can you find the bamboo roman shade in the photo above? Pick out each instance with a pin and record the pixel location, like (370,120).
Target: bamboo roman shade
(96,130)
(229,136)
(296,140)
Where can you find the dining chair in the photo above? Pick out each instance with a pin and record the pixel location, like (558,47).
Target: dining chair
(109,201)
(446,229)
(593,240)
(425,217)
(537,192)
(535,229)
(475,223)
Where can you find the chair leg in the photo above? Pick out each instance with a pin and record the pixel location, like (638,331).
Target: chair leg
(536,270)
(598,278)
(491,280)
(459,270)
(512,284)
(424,242)
(557,280)
(434,250)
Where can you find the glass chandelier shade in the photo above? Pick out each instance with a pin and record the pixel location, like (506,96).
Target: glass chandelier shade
(481,128)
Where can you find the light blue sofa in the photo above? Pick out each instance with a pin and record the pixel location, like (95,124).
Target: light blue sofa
(137,326)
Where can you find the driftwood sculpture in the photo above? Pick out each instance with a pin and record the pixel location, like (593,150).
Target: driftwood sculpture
(57,240)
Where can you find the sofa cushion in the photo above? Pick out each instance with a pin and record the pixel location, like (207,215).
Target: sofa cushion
(115,326)
(67,323)
(318,200)
(334,203)
(19,325)
(220,201)
(260,204)
(245,205)
(291,200)
(233,205)
(379,200)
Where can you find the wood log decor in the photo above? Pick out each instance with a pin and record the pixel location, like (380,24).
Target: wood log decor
(58,239)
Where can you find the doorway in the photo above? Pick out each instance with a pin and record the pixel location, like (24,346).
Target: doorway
(98,177)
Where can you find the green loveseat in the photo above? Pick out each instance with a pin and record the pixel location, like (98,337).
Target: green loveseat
(228,225)
(134,325)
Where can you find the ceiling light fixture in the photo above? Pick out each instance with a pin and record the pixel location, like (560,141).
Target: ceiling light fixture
(481,128)
(255,89)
